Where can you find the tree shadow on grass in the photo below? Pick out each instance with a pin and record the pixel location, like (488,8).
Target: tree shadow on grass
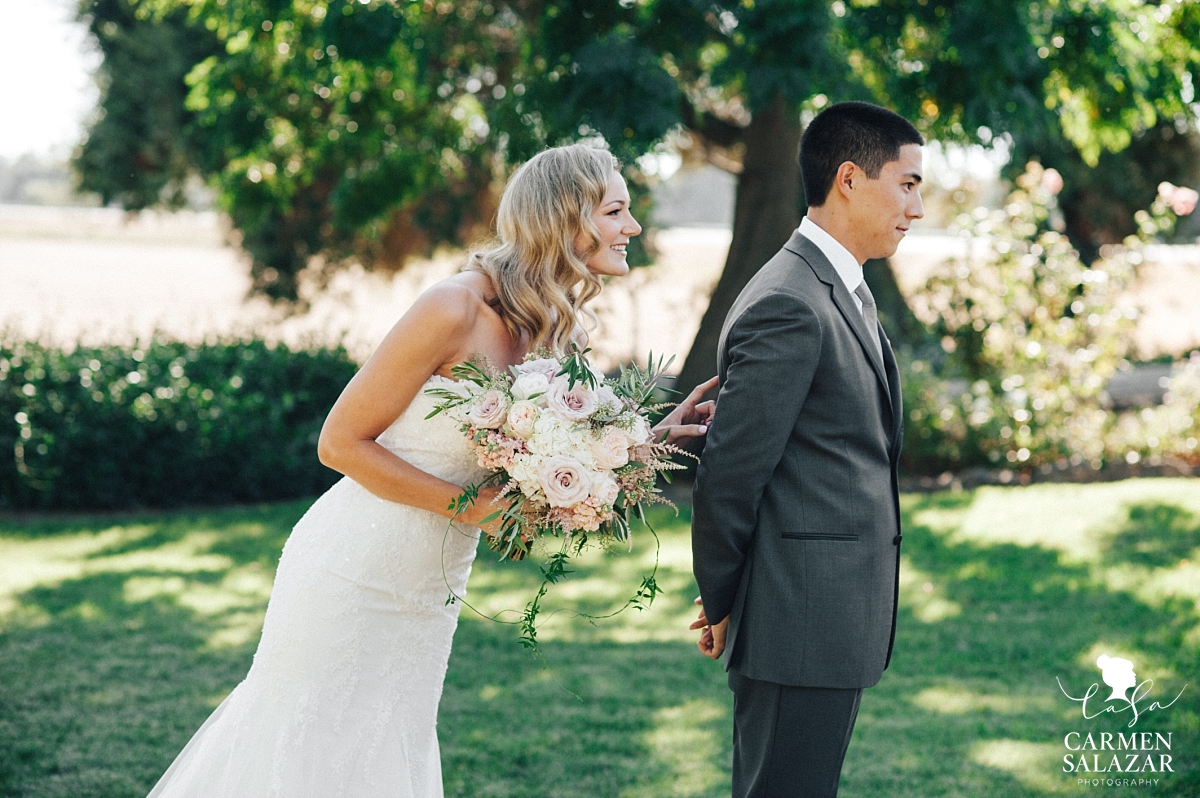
(601,719)
(252,533)
(970,705)
(245,535)
(1154,535)
(100,684)
(624,707)
(104,677)
(97,694)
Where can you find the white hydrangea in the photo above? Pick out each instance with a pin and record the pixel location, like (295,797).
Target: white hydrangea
(552,435)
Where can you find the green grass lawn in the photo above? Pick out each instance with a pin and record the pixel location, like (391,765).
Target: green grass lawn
(118,635)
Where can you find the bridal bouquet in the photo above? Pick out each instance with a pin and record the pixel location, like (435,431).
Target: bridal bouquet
(572,449)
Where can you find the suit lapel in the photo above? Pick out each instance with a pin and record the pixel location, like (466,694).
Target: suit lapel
(894,393)
(825,272)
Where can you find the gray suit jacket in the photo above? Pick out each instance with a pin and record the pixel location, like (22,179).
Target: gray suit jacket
(796,515)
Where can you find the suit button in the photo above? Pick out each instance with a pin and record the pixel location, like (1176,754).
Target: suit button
(896,540)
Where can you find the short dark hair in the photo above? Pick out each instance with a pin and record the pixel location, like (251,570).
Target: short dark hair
(867,135)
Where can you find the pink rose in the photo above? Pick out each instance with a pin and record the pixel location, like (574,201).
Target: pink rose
(564,481)
(611,449)
(521,417)
(570,404)
(489,411)
(545,365)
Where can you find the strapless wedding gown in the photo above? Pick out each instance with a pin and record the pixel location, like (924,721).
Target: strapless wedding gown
(343,694)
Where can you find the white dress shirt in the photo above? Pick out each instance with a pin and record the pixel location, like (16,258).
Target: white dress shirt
(845,264)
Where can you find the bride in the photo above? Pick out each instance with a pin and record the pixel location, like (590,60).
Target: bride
(342,697)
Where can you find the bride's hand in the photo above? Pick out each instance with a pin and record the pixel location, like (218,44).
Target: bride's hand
(485,504)
(690,418)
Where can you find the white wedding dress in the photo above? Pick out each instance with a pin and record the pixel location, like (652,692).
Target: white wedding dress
(343,694)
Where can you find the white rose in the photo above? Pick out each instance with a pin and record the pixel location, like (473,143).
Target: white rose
(607,398)
(564,481)
(606,395)
(533,383)
(638,429)
(489,410)
(521,419)
(605,489)
(572,404)
(611,449)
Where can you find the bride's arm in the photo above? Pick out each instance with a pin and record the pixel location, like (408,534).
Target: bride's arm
(426,338)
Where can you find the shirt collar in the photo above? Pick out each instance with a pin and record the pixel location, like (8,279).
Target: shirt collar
(845,264)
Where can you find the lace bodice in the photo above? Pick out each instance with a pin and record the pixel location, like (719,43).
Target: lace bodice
(435,445)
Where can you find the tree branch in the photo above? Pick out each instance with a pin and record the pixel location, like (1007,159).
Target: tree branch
(712,129)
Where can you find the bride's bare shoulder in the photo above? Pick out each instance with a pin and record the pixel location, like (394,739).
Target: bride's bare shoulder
(476,282)
(460,298)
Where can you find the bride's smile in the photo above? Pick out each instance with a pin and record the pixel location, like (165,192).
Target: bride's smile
(616,226)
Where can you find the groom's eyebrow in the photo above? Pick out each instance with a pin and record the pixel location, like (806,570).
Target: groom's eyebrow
(915,176)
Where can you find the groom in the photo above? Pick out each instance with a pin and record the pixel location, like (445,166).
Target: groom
(796,519)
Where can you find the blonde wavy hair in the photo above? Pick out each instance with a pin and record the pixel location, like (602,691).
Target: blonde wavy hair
(542,284)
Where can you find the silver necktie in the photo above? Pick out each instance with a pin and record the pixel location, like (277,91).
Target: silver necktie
(870,316)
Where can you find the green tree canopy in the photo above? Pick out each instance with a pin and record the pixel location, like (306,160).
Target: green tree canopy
(329,130)
(1101,91)
(336,130)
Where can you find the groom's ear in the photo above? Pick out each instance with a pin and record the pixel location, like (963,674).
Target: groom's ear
(846,177)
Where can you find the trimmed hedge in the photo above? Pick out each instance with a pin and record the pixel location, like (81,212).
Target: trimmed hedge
(163,424)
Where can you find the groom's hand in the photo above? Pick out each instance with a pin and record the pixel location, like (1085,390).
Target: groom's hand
(712,639)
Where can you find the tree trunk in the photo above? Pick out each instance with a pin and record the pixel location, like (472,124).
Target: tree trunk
(766,211)
(898,321)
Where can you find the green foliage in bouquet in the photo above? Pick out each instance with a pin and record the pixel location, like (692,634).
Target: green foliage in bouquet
(1025,337)
(162,423)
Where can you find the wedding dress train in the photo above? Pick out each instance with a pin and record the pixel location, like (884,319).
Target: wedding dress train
(342,697)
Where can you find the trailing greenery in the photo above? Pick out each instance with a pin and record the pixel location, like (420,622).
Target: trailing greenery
(120,634)
(162,424)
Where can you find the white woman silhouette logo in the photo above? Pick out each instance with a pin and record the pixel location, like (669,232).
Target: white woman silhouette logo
(1117,674)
